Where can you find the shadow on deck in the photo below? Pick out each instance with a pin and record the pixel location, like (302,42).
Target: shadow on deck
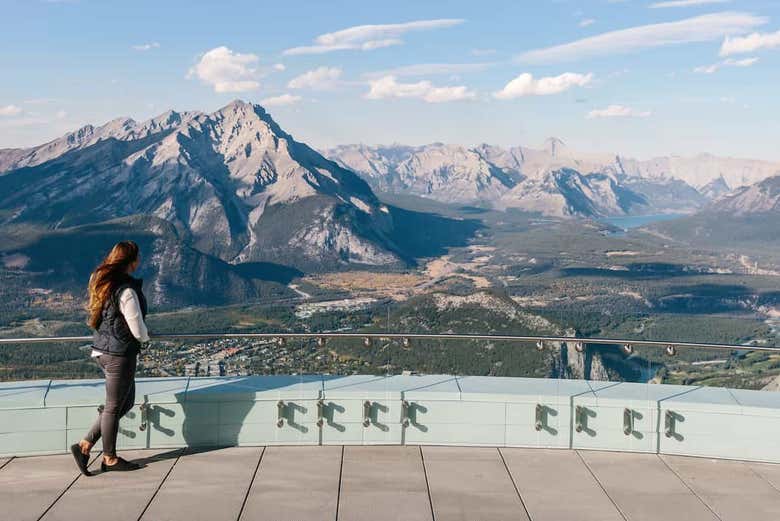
(391,483)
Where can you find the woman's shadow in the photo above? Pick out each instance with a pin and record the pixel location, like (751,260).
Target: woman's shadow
(214,413)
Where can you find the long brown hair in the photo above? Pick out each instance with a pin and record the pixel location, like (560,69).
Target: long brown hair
(107,276)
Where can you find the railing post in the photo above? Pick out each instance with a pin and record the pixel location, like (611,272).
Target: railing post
(366,413)
(669,418)
(578,423)
(628,421)
(404,413)
(320,413)
(539,417)
(144,413)
(280,407)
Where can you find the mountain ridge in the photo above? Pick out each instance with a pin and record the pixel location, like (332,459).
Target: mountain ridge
(548,181)
(214,177)
(696,170)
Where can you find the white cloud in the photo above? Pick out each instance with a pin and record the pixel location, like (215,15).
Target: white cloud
(279,67)
(10,110)
(750,43)
(227,71)
(61,114)
(278,101)
(322,78)
(686,3)
(527,85)
(697,29)
(369,37)
(710,69)
(146,46)
(586,22)
(707,69)
(427,69)
(618,111)
(388,87)
(746,62)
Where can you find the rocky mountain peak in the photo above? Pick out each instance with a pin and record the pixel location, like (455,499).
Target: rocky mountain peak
(223,180)
(554,146)
(758,198)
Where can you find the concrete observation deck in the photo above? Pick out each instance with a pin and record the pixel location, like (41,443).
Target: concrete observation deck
(392,483)
(396,447)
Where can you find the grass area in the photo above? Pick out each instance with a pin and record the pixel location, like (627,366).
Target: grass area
(752,370)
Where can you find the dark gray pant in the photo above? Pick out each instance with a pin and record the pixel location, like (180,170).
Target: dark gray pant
(120,397)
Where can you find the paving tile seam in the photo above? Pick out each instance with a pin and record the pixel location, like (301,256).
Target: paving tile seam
(341,473)
(7,462)
(251,482)
(688,487)
(601,486)
(427,484)
(159,486)
(73,482)
(514,484)
(762,477)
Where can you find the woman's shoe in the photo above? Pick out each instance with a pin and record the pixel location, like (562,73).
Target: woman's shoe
(121,465)
(82,460)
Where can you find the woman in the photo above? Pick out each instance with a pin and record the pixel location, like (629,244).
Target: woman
(117,309)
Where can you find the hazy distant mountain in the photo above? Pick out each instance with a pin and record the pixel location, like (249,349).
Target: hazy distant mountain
(566,192)
(744,221)
(761,197)
(715,189)
(663,194)
(233,183)
(702,169)
(552,180)
(447,173)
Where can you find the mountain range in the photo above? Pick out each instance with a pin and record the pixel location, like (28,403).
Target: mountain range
(744,221)
(237,194)
(227,205)
(233,184)
(553,179)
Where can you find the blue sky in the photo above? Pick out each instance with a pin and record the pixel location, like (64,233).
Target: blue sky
(640,78)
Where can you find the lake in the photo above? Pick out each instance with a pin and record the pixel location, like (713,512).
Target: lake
(635,221)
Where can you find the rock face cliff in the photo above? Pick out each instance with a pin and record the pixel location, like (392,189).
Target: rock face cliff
(233,184)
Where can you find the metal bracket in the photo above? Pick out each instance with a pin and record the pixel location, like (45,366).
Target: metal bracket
(320,413)
(669,418)
(404,413)
(539,418)
(144,413)
(280,407)
(628,421)
(578,412)
(366,413)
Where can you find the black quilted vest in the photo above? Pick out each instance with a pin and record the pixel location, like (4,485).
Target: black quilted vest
(113,335)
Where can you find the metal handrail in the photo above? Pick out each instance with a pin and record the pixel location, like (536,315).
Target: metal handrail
(405,337)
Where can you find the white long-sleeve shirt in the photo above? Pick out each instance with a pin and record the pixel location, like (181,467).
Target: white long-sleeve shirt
(130,308)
